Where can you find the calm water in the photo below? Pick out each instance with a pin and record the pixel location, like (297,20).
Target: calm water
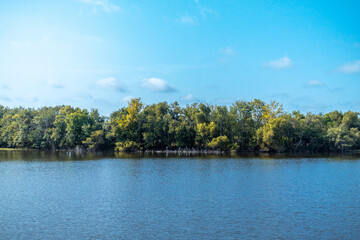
(62,196)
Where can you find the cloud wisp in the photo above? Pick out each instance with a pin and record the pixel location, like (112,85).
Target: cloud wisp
(5,86)
(19,44)
(157,85)
(55,84)
(186,19)
(127,99)
(104,5)
(204,10)
(228,51)
(5,98)
(315,83)
(189,98)
(109,83)
(29,98)
(279,64)
(351,67)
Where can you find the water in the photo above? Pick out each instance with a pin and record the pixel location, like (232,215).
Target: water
(62,196)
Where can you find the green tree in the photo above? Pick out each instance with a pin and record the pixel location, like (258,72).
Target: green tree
(96,141)
(78,127)
(278,134)
(220,143)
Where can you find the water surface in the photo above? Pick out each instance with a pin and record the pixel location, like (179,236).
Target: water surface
(68,196)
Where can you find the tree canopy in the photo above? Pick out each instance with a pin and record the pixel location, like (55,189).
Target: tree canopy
(243,126)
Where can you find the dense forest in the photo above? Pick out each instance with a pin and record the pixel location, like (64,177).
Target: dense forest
(243,126)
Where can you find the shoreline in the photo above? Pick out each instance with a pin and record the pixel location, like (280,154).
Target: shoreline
(177,151)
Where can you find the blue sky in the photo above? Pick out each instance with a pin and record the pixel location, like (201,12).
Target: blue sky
(101,53)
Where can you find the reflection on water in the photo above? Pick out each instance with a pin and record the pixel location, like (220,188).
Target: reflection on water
(34,155)
(61,195)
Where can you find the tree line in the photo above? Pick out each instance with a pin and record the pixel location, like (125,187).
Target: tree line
(243,126)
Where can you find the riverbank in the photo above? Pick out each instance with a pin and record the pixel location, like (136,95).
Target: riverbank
(181,151)
(64,155)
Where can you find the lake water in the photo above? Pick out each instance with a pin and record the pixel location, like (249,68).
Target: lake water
(66,196)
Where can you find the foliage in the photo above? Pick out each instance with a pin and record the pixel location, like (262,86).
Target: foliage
(97,141)
(127,146)
(243,126)
(221,142)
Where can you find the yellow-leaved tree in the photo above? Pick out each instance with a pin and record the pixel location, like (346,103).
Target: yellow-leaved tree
(129,125)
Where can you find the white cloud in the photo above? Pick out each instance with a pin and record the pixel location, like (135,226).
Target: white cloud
(127,99)
(315,83)
(5,86)
(281,63)
(55,84)
(19,44)
(30,98)
(5,98)
(157,85)
(189,98)
(109,83)
(227,51)
(204,10)
(187,19)
(105,5)
(191,20)
(351,67)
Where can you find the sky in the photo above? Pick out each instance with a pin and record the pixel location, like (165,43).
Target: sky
(101,53)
